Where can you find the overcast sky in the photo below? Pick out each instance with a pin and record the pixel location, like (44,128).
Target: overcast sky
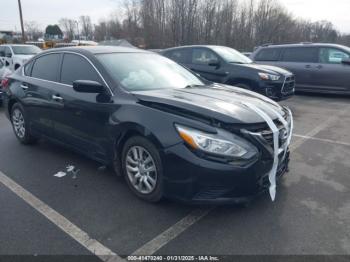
(50,11)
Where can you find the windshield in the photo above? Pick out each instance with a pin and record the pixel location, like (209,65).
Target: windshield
(143,71)
(26,50)
(231,55)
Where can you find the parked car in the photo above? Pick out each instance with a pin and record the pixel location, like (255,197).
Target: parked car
(170,133)
(14,56)
(225,65)
(323,68)
(4,71)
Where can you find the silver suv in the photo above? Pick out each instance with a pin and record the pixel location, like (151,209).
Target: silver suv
(317,67)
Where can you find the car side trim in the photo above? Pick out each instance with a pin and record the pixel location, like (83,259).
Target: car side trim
(70,52)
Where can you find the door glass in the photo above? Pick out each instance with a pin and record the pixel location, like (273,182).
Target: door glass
(2,51)
(181,56)
(8,52)
(203,57)
(46,67)
(301,55)
(268,54)
(75,67)
(332,56)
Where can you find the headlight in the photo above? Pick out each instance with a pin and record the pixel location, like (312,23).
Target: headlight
(210,143)
(266,76)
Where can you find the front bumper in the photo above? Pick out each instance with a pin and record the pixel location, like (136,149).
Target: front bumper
(278,90)
(192,179)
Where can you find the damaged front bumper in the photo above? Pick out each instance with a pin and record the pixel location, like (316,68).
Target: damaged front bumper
(195,180)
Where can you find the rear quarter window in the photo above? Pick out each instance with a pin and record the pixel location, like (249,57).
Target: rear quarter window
(268,54)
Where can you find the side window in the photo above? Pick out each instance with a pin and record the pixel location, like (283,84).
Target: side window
(75,67)
(28,68)
(332,56)
(46,67)
(179,56)
(2,51)
(8,52)
(301,54)
(268,54)
(201,56)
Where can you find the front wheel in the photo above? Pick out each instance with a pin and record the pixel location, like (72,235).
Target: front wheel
(20,125)
(142,169)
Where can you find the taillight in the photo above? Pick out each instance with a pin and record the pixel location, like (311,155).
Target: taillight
(5,83)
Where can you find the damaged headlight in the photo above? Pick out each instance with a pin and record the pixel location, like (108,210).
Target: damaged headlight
(211,143)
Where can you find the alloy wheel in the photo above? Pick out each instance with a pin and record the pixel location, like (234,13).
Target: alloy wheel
(141,170)
(18,123)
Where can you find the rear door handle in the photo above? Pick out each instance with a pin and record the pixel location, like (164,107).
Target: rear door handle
(319,67)
(57,98)
(308,66)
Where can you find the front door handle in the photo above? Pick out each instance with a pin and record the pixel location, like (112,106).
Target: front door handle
(57,98)
(319,67)
(308,66)
(24,87)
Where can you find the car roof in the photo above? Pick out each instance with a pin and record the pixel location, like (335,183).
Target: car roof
(97,50)
(193,46)
(302,45)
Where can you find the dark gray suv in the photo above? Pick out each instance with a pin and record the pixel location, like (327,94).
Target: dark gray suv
(317,67)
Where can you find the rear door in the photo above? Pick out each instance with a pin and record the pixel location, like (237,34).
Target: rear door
(38,85)
(331,73)
(303,62)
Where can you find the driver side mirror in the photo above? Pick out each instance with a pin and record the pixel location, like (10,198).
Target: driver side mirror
(87,86)
(214,63)
(346,61)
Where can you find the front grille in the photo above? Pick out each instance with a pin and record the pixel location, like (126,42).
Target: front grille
(267,133)
(288,85)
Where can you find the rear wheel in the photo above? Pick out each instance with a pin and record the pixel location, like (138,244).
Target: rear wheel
(142,169)
(20,125)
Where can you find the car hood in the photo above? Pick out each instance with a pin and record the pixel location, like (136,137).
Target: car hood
(268,69)
(220,102)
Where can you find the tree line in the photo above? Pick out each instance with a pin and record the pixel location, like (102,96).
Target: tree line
(242,24)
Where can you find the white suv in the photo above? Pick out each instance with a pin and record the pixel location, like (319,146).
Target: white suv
(13,56)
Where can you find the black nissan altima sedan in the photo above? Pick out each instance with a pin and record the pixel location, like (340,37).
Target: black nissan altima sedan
(167,131)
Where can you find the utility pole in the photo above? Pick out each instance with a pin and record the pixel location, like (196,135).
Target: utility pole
(21,17)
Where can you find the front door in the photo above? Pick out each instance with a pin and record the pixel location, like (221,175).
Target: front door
(208,65)
(82,121)
(331,73)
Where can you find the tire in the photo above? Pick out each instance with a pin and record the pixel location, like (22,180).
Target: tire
(142,169)
(244,86)
(20,125)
